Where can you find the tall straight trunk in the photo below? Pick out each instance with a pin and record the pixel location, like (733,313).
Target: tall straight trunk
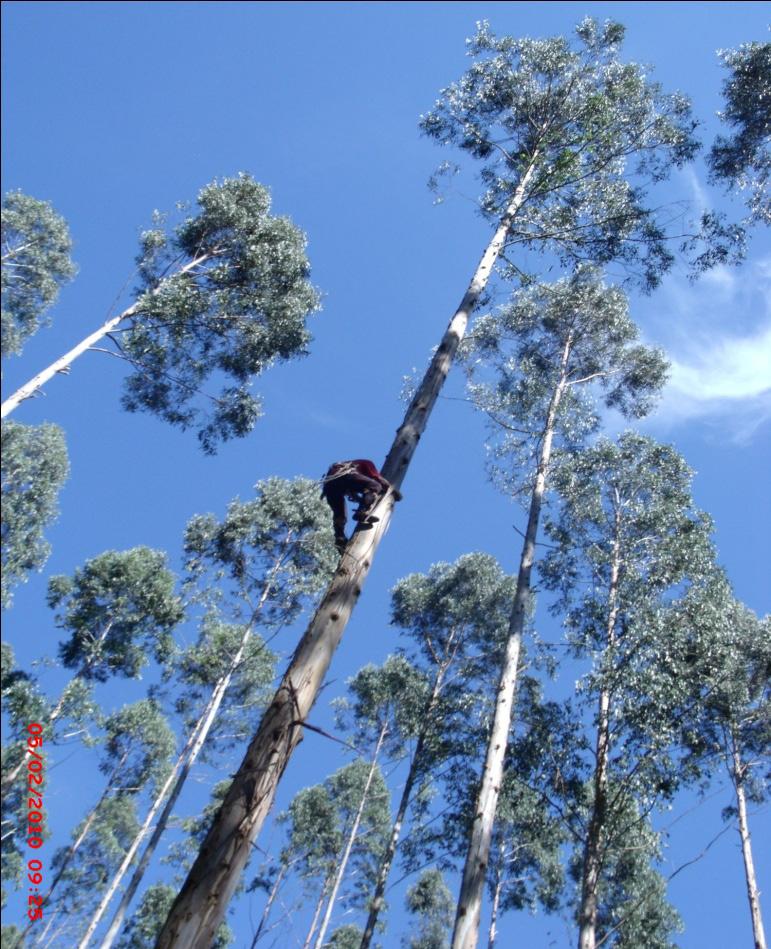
(592,860)
(466,930)
(57,710)
(753,894)
(268,905)
(385,864)
(317,913)
(63,363)
(493,931)
(205,894)
(177,778)
(78,842)
(351,840)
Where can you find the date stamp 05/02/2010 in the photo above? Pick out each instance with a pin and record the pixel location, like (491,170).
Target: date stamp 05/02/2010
(35,786)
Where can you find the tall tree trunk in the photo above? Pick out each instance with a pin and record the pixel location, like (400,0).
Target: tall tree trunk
(385,864)
(57,710)
(493,931)
(77,843)
(753,894)
(317,913)
(592,860)
(63,363)
(178,777)
(205,894)
(268,905)
(466,931)
(351,839)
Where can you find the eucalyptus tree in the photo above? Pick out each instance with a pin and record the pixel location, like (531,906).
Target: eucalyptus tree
(255,569)
(137,745)
(36,248)
(632,907)
(34,468)
(530,833)
(742,161)
(455,616)
(118,610)
(626,540)
(543,362)
(221,297)
(22,703)
(574,122)
(345,937)
(431,904)
(89,869)
(313,841)
(362,805)
(727,651)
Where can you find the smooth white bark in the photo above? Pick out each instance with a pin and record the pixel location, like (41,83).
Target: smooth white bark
(63,363)
(469,909)
(753,893)
(350,842)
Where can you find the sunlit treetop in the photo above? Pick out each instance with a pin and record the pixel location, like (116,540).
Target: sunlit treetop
(36,249)
(743,160)
(596,131)
(223,296)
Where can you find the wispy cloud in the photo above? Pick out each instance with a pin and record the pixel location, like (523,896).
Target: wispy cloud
(717,335)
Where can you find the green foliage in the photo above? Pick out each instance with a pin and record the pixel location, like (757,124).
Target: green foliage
(743,160)
(222,297)
(576,334)
(117,608)
(345,937)
(395,694)
(278,546)
(139,741)
(144,927)
(633,910)
(36,262)
(93,864)
(346,789)
(430,900)
(458,610)
(627,546)
(586,120)
(22,703)
(224,650)
(314,838)
(34,469)
(725,650)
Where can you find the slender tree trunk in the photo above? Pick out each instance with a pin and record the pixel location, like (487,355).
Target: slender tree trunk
(385,865)
(178,777)
(592,861)
(493,931)
(351,839)
(753,894)
(204,897)
(63,363)
(317,913)
(57,710)
(466,931)
(76,844)
(268,905)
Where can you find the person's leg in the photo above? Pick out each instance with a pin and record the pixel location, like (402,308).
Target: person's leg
(336,500)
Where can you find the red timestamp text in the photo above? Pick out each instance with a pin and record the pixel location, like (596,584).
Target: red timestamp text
(35,817)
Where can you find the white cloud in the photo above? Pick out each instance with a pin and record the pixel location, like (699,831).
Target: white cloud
(717,336)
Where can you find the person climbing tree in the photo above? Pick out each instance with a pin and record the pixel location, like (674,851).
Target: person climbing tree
(360,481)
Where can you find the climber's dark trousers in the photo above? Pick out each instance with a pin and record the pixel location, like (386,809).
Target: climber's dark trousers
(355,486)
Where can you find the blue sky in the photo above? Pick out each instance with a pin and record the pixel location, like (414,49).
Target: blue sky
(114,109)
